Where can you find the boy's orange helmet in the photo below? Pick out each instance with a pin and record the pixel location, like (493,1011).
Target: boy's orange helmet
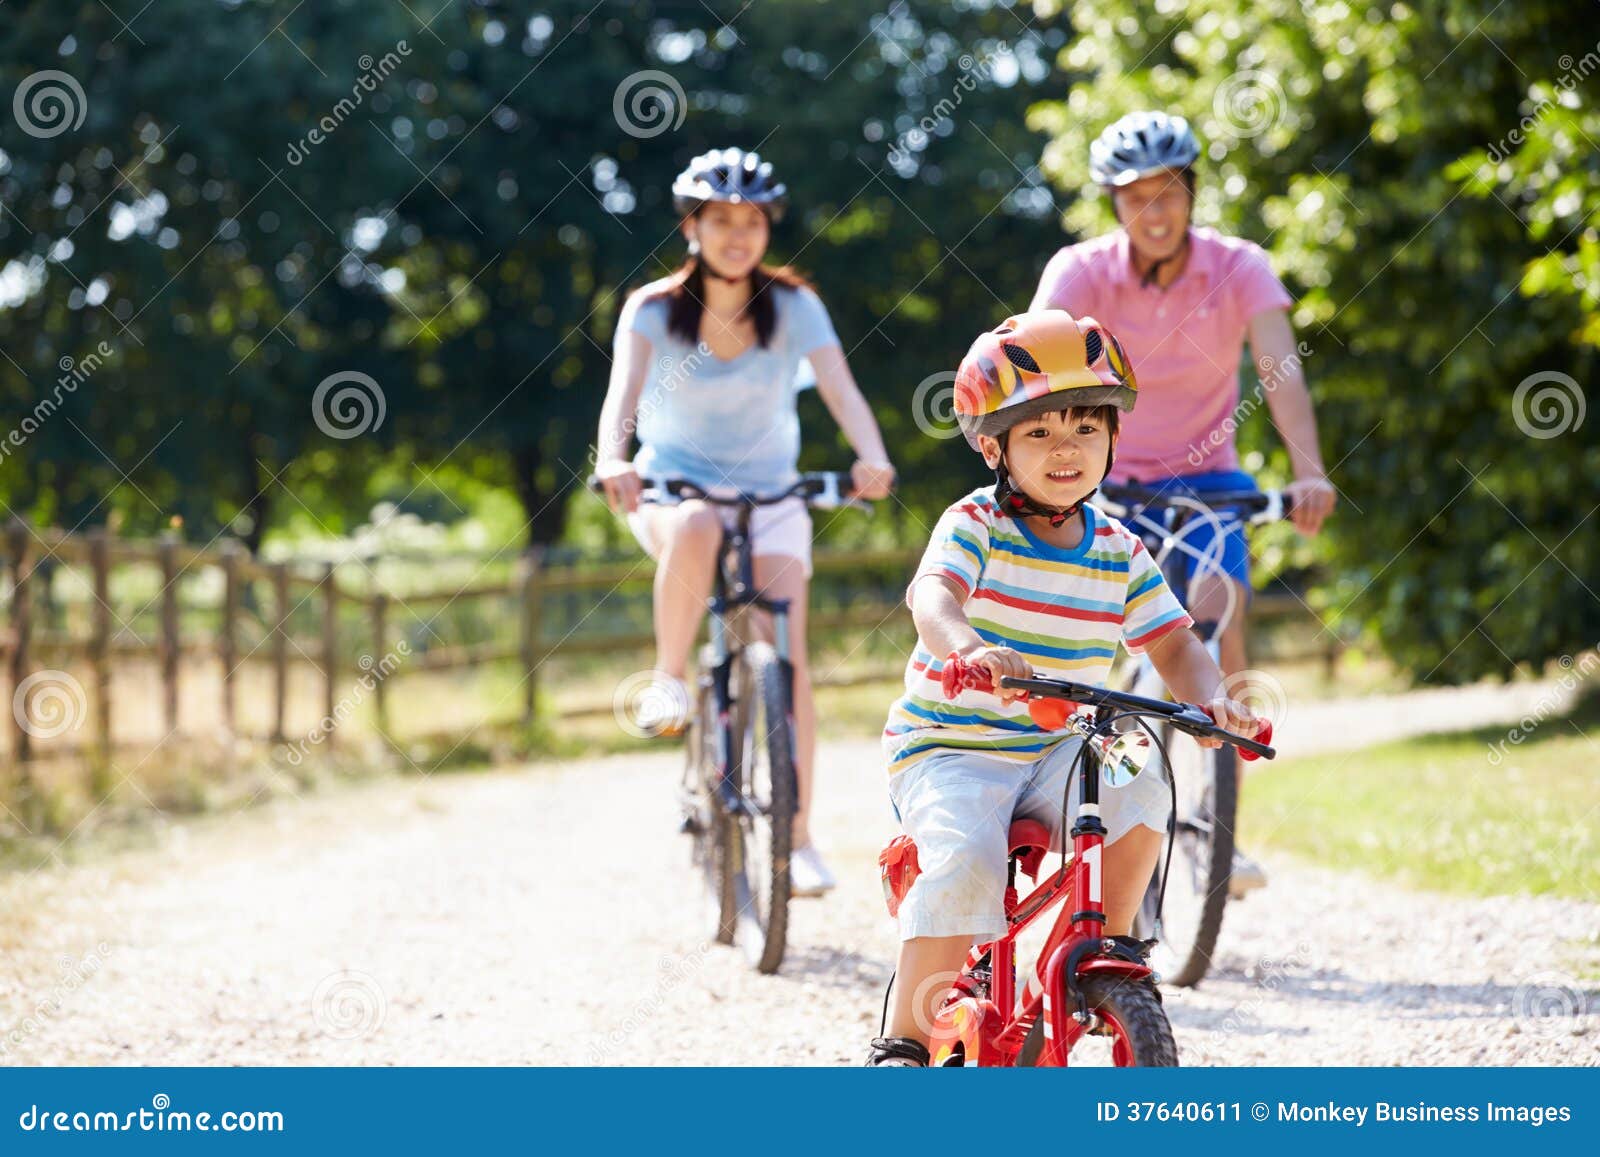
(1036,362)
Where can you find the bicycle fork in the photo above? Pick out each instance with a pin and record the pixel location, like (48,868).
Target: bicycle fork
(1080,947)
(729,745)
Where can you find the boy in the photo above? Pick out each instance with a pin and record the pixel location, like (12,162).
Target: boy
(1024,577)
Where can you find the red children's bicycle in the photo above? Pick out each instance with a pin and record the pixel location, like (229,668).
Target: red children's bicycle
(1085,987)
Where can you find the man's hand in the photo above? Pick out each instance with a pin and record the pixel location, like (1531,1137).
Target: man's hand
(1001,662)
(871,479)
(1231,715)
(1313,500)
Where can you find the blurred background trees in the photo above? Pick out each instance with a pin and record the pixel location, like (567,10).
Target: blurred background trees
(492,178)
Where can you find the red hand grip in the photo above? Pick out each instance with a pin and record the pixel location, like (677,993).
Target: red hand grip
(959,675)
(1263,736)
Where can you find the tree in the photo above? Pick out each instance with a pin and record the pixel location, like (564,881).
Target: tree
(1352,141)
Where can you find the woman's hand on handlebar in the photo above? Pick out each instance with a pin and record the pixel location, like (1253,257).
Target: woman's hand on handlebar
(871,479)
(1000,662)
(622,485)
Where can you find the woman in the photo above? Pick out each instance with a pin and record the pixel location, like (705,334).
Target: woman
(1184,300)
(705,367)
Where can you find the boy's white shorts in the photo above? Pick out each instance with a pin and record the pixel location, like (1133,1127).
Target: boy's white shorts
(958,807)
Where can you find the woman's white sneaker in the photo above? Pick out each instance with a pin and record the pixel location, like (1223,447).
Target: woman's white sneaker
(662,708)
(808,875)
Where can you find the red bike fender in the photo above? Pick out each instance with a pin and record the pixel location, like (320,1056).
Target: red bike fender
(1104,965)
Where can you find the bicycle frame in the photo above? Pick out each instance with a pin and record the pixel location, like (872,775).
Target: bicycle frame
(991,1029)
(733,588)
(1167,545)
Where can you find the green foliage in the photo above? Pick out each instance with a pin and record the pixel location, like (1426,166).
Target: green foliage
(466,226)
(1352,141)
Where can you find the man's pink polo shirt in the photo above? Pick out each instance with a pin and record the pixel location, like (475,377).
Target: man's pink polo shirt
(1185,342)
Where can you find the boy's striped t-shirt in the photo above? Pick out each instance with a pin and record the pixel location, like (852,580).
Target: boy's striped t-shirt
(1064,611)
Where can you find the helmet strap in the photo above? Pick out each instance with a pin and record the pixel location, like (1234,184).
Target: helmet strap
(1018,505)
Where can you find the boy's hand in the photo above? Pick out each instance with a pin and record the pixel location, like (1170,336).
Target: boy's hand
(1231,715)
(1000,663)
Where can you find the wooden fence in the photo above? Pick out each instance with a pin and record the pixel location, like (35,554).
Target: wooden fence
(298,587)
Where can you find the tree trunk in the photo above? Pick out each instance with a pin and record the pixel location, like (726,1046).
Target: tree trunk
(544,508)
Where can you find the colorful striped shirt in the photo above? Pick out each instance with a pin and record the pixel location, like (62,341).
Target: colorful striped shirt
(1064,611)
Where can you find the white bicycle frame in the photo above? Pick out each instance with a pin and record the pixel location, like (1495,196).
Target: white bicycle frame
(1147,681)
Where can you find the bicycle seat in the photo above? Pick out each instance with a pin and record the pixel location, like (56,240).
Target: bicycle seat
(1028,842)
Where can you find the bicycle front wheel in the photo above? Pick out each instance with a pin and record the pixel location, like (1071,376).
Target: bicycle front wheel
(1132,1031)
(760,835)
(1202,860)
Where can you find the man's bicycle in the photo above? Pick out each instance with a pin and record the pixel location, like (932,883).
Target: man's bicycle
(1205,780)
(1089,997)
(739,791)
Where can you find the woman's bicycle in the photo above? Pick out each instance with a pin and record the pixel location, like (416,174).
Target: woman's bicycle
(1089,997)
(739,792)
(1205,780)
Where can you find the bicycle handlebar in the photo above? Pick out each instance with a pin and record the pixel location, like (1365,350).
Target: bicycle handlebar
(1048,701)
(1269,505)
(822,490)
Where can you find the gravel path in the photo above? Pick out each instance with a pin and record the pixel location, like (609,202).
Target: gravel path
(547,916)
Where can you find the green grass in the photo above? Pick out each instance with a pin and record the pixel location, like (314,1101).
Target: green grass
(1442,812)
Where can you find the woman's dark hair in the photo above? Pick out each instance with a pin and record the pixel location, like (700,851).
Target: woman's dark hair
(685,299)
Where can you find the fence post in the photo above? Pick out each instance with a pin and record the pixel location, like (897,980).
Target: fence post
(380,651)
(280,649)
(532,656)
(169,630)
(100,637)
(330,647)
(21,629)
(227,641)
